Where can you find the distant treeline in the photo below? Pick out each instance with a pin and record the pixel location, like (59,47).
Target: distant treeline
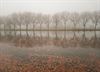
(85,21)
(62,21)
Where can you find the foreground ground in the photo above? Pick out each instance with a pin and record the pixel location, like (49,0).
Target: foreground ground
(48,59)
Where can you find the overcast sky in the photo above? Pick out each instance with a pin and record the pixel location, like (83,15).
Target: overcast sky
(47,6)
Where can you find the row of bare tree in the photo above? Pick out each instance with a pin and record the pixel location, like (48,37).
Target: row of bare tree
(11,22)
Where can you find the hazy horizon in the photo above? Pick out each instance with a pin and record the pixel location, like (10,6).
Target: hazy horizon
(48,6)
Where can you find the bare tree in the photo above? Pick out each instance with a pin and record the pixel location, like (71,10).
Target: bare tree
(47,20)
(4,23)
(8,25)
(65,18)
(21,22)
(15,21)
(27,19)
(95,17)
(84,18)
(1,22)
(33,22)
(39,19)
(74,17)
(56,19)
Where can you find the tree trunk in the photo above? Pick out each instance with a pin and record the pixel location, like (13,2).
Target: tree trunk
(74,31)
(95,30)
(65,32)
(56,32)
(14,30)
(4,30)
(84,34)
(26,42)
(41,31)
(95,38)
(10,30)
(20,30)
(34,31)
(48,30)
(27,30)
